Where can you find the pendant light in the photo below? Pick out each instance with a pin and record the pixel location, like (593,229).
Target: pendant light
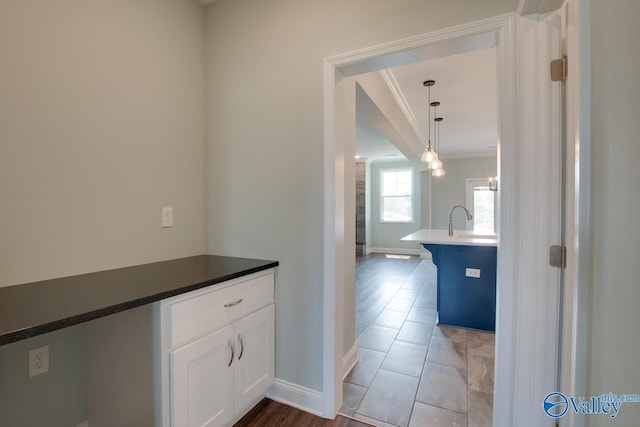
(435,163)
(429,154)
(438,169)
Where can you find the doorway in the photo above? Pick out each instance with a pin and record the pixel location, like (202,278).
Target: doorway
(410,369)
(339,153)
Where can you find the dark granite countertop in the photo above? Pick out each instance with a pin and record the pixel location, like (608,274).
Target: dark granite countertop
(36,308)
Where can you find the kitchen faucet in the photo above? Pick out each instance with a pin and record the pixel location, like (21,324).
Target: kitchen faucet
(469,217)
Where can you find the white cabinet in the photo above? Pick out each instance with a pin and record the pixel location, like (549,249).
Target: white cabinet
(201,382)
(217,352)
(254,372)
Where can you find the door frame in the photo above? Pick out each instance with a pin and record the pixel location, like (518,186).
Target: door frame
(575,331)
(501,30)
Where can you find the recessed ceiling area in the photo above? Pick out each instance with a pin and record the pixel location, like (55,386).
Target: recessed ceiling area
(466,87)
(374,145)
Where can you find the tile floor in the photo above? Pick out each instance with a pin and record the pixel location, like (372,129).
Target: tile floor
(411,371)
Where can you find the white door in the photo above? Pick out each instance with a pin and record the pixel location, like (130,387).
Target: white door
(201,381)
(255,363)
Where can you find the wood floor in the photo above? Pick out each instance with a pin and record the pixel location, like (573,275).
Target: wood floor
(270,413)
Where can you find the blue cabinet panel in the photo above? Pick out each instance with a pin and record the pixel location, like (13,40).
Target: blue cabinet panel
(466,301)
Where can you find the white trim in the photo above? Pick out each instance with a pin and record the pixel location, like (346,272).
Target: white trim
(349,361)
(438,43)
(535,334)
(480,34)
(299,397)
(578,221)
(333,275)
(396,91)
(508,147)
(394,251)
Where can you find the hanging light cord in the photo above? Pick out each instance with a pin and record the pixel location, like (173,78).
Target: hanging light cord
(435,129)
(429,120)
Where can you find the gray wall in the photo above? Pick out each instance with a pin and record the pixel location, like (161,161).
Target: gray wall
(614,345)
(425,199)
(265,138)
(368,203)
(361,206)
(450,190)
(388,235)
(120,369)
(55,398)
(102,122)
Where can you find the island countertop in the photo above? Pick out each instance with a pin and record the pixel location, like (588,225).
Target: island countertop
(36,308)
(460,237)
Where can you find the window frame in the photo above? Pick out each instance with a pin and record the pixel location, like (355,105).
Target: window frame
(470,185)
(382,196)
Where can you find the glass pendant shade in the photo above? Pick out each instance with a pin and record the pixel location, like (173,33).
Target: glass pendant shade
(436,164)
(438,172)
(430,156)
(426,155)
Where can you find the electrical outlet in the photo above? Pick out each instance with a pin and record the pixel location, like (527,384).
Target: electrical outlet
(38,361)
(473,272)
(167,217)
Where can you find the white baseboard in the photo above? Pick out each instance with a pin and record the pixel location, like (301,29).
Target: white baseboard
(395,251)
(349,361)
(299,397)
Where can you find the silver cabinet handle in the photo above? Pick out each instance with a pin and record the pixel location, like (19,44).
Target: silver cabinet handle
(241,346)
(231,304)
(231,347)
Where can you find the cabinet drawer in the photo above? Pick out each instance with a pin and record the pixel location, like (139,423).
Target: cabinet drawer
(205,311)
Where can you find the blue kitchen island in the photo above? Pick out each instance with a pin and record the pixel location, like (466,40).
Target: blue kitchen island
(466,278)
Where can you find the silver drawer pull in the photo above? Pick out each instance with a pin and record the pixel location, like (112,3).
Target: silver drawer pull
(231,347)
(241,346)
(231,304)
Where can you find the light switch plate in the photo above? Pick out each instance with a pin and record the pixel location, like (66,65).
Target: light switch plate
(473,272)
(167,217)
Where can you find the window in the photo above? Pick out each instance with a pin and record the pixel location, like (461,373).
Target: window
(396,195)
(481,202)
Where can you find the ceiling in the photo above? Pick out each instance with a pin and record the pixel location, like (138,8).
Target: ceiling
(466,87)
(371,144)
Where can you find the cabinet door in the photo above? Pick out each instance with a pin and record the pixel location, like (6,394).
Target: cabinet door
(202,381)
(255,369)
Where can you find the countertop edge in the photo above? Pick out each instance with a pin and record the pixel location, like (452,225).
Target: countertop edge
(43,328)
(441,237)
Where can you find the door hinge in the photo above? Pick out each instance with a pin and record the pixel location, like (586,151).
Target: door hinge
(559,69)
(558,256)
